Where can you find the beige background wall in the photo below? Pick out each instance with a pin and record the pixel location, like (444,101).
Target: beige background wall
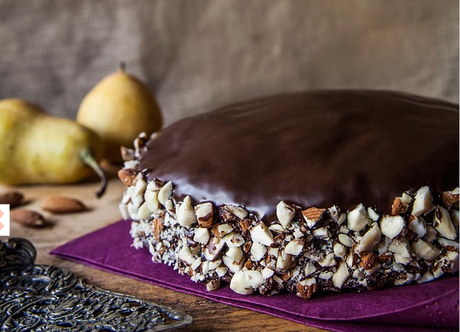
(199,54)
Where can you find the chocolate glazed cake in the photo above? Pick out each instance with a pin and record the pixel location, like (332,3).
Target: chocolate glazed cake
(303,192)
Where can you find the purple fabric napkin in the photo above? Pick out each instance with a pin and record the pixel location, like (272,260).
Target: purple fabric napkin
(423,308)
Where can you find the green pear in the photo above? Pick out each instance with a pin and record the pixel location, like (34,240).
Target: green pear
(119,108)
(39,148)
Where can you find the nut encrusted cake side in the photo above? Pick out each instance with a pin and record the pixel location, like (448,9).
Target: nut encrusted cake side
(303,250)
(301,192)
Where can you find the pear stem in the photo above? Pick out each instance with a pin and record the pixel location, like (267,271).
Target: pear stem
(87,157)
(122,67)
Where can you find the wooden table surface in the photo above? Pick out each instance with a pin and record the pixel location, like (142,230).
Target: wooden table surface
(207,315)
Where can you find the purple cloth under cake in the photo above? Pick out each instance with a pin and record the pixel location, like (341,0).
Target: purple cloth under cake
(423,308)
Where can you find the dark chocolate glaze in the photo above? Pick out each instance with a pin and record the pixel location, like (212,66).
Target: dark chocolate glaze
(317,148)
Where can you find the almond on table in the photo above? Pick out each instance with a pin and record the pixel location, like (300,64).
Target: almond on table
(28,218)
(13,198)
(62,204)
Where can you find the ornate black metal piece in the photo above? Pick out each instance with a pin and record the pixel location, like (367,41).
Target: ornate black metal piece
(46,298)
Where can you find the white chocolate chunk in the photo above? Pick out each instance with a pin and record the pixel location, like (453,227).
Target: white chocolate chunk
(234,240)
(131,164)
(350,260)
(165,193)
(213,249)
(391,226)
(340,250)
(240,284)
(273,251)
(254,278)
(139,187)
(341,275)
(327,261)
(258,251)
(153,186)
(310,268)
(151,198)
(425,249)
(237,211)
(401,250)
(345,240)
(267,272)
(358,274)
(144,212)
(418,226)
(123,208)
(443,223)
(224,229)
(326,275)
(186,255)
(431,234)
(126,195)
(372,214)
(214,264)
(283,261)
(358,218)
(438,270)
(294,247)
(321,232)
(448,243)
(137,200)
(260,233)
(169,206)
(423,201)
(407,279)
(232,264)
(205,267)
(132,211)
(196,264)
(185,214)
(342,218)
(406,199)
(277,228)
(204,213)
(284,213)
(201,235)
(221,271)
(426,277)
(334,212)
(298,233)
(370,239)
(235,253)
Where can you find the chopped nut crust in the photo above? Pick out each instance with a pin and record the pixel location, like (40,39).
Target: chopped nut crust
(305,250)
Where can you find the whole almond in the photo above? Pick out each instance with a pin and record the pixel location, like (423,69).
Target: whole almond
(13,198)
(62,204)
(27,218)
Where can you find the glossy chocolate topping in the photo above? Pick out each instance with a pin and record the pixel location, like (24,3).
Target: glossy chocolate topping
(318,148)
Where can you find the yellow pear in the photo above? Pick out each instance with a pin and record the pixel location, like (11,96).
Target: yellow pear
(39,148)
(119,108)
